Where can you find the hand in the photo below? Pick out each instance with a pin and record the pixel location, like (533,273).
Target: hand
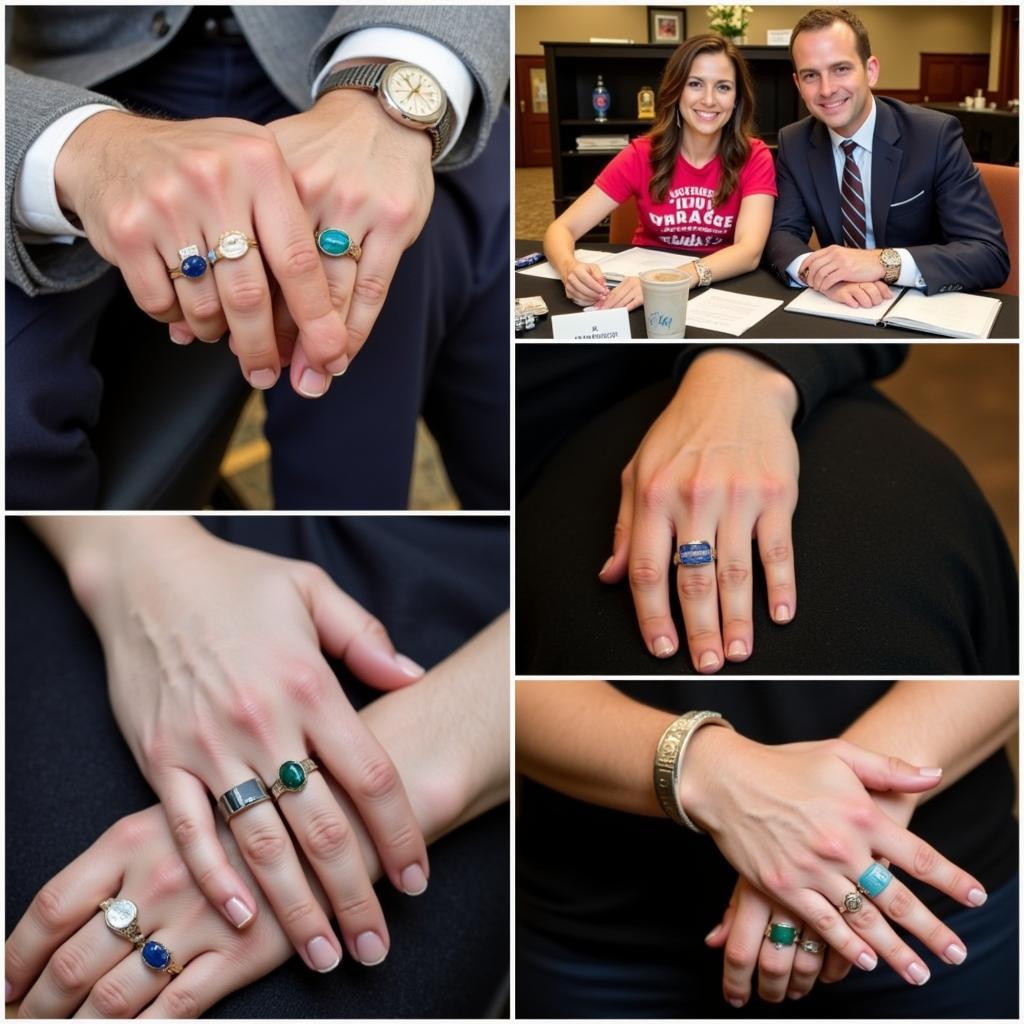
(798,823)
(144,188)
(584,282)
(720,464)
(216,676)
(356,169)
(838,263)
(865,294)
(628,294)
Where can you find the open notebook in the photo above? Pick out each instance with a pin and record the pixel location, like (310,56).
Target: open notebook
(952,315)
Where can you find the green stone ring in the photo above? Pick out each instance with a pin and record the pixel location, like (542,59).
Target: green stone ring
(335,242)
(782,934)
(292,777)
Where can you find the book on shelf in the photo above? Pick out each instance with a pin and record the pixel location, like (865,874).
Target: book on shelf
(601,143)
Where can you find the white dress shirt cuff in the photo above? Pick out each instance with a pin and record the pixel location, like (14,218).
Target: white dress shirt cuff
(401,44)
(793,270)
(910,275)
(36,210)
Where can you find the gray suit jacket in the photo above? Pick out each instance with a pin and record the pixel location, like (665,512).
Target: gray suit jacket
(55,54)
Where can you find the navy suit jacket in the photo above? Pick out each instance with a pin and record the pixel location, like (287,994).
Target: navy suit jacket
(926,196)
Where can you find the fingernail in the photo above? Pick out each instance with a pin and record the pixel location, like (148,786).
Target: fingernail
(409,667)
(956,954)
(738,1003)
(604,568)
(867,961)
(238,913)
(209,341)
(263,379)
(919,974)
(794,995)
(782,613)
(931,773)
(711,934)
(708,660)
(370,950)
(322,955)
(312,384)
(7,991)
(976,897)
(662,646)
(737,649)
(180,335)
(338,367)
(414,881)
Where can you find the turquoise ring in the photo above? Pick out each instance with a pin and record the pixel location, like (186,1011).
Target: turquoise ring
(782,934)
(335,242)
(875,880)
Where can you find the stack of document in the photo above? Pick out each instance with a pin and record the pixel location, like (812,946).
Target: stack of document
(601,143)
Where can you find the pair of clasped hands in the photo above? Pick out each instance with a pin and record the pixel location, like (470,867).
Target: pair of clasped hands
(144,188)
(216,676)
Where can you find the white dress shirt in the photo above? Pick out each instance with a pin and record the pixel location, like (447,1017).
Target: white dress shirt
(40,218)
(910,276)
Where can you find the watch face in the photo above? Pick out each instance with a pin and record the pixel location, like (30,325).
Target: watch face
(415,93)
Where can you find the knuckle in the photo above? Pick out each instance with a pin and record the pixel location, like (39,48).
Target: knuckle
(867,917)
(357,906)
(181,1003)
(901,903)
(771,969)
(863,816)
(773,489)
(305,685)
(775,552)
(260,150)
(404,836)
(732,575)
(246,297)
(49,908)
(251,713)
(378,779)
(134,831)
(299,259)
(374,628)
(170,877)
(697,491)
(832,847)
(338,294)
(186,830)
(165,194)
(644,574)
(297,913)
(208,169)
(69,969)
(696,584)
(265,846)
(740,957)
(825,922)
(926,859)
(371,288)
(327,835)
(206,307)
(110,997)
(127,226)
(155,304)
(313,184)
(356,335)
(653,494)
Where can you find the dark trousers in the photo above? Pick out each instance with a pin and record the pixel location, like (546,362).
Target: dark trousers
(439,347)
(901,565)
(434,582)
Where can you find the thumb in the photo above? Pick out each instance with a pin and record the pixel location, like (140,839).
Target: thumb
(349,632)
(884,772)
(614,570)
(719,935)
(595,273)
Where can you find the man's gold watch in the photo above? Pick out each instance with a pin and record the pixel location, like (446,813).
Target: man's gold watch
(892,264)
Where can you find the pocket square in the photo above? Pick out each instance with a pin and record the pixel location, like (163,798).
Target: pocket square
(903,202)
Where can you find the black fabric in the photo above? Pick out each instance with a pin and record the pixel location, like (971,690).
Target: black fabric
(596,882)
(434,582)
(901,565)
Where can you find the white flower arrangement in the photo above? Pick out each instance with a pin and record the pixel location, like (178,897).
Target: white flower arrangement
(730,20)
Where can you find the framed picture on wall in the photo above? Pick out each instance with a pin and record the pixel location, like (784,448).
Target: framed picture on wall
(666,25)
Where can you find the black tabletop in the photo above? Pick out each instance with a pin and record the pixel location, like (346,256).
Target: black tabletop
(761,282)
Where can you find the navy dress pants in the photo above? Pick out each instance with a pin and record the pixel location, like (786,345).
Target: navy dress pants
(439,347)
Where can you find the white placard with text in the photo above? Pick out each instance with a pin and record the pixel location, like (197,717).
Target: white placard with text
(600,325)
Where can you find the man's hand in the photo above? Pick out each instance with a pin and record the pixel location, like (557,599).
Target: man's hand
(865,294)
(837,263)
(356,169)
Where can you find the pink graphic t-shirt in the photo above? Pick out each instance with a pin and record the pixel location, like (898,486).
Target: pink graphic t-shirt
(686,219)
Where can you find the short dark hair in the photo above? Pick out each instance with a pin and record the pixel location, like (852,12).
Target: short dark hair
(822,17)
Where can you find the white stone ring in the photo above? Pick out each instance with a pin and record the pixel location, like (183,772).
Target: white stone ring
(232,245)
(122,917)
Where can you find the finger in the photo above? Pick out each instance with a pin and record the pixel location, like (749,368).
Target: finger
(584,286)
(205,980)
(615,568)
(721,932)
(287,238)
(148,279)
(197,295)
(619,297)
(595,274)
(864,297)
(775,962)
(649,554)
(59,909)
(885,774)
(187,806)
(362,767)
(326,837)
(698,598)
(285,330)
(900,905)
(374,272)
(775,549)
(807,964)
(835,967)
(743,946)
(735,585)
(824,918)
(636,301)
(268,850)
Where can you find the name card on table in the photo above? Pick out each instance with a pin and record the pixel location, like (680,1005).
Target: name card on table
(600,325)
(779,36)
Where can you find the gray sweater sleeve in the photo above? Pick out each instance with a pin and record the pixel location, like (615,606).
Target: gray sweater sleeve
(477,35)
(33,104)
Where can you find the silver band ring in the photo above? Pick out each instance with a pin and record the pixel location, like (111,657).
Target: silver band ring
(810,946)
(241,797)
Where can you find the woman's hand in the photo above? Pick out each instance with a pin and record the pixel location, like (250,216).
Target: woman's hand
(628,294)
(720,464)
(584,282)
(216,676)
(797,821)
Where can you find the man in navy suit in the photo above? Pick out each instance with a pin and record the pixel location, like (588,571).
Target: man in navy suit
(889,188)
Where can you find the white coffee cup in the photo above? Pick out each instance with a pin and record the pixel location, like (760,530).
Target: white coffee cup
(665,293)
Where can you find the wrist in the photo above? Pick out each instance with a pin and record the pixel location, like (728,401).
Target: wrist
(730,365)
(706,766)
(69,168)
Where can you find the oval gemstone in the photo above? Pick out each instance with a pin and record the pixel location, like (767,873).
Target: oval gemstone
(193,266)
(121,913)
(233,245)
(156,956)
(292,775)
(333,242)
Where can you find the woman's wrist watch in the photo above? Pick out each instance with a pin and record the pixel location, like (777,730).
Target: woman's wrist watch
(407,92)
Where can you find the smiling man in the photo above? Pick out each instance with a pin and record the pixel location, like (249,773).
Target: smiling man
(889,188)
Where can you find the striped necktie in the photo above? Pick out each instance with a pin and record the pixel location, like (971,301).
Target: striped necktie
(854,224)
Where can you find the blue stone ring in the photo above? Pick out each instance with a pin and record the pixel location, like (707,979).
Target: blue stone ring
(192,264)
(874,881)
(694,552)
(335,242)
(158,957)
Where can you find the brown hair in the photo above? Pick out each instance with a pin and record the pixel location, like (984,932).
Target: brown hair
(823,17)
(734,145)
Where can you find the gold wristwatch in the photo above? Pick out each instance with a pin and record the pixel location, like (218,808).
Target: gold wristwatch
(892,264)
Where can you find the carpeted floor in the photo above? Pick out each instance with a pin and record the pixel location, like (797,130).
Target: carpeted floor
(534,196)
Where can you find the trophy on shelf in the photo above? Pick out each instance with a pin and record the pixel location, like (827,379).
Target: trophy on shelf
(645,104)
(601,100)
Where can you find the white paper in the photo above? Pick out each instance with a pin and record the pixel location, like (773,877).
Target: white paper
(952,314)
(600,325)
(636,261)
(810,301)
(547,270)
(727,312)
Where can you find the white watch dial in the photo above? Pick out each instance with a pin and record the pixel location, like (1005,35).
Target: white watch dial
(415,92)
